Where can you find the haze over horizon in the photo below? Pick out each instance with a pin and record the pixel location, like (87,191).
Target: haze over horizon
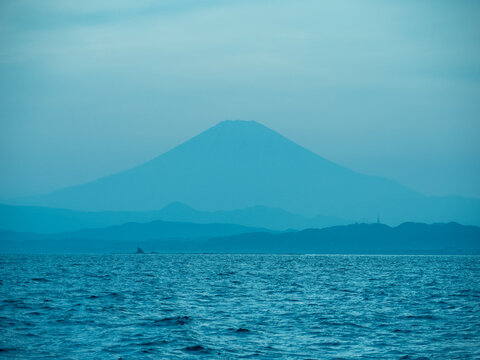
(89,89)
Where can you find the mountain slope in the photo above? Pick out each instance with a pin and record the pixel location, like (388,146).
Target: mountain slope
(239,164)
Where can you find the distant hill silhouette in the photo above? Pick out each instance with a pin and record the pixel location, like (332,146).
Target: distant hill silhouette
(49,220)
(407,238)
(240,164)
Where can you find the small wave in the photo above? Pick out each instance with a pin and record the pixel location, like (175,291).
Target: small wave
(12,301)
(242,330)
(196,348)
(148,351)
(420,317)
(40,280)
(177,320)
(154,342)
(34,313)
(344,324)
(331,343)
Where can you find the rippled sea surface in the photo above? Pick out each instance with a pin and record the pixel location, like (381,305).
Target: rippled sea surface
(239,306)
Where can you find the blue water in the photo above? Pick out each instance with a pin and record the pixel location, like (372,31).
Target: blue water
(239,306)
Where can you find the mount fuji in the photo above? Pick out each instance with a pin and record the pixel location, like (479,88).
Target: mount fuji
(240,164)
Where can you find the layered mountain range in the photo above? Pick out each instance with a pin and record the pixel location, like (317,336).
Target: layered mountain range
(241,187)
(243,164)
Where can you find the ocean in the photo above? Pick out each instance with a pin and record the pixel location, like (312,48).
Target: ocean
(239,306)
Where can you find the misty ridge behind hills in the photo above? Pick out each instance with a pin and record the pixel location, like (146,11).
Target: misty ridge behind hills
(51,220)
(242,164)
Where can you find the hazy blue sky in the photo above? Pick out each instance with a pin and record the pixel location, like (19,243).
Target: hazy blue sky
(93,87)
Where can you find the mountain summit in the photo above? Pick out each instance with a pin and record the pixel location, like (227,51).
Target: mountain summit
(238,164)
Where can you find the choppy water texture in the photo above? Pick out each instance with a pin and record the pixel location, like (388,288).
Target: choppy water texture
(240,306)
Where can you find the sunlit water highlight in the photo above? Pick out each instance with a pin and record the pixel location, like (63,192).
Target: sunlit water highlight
(239,306)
